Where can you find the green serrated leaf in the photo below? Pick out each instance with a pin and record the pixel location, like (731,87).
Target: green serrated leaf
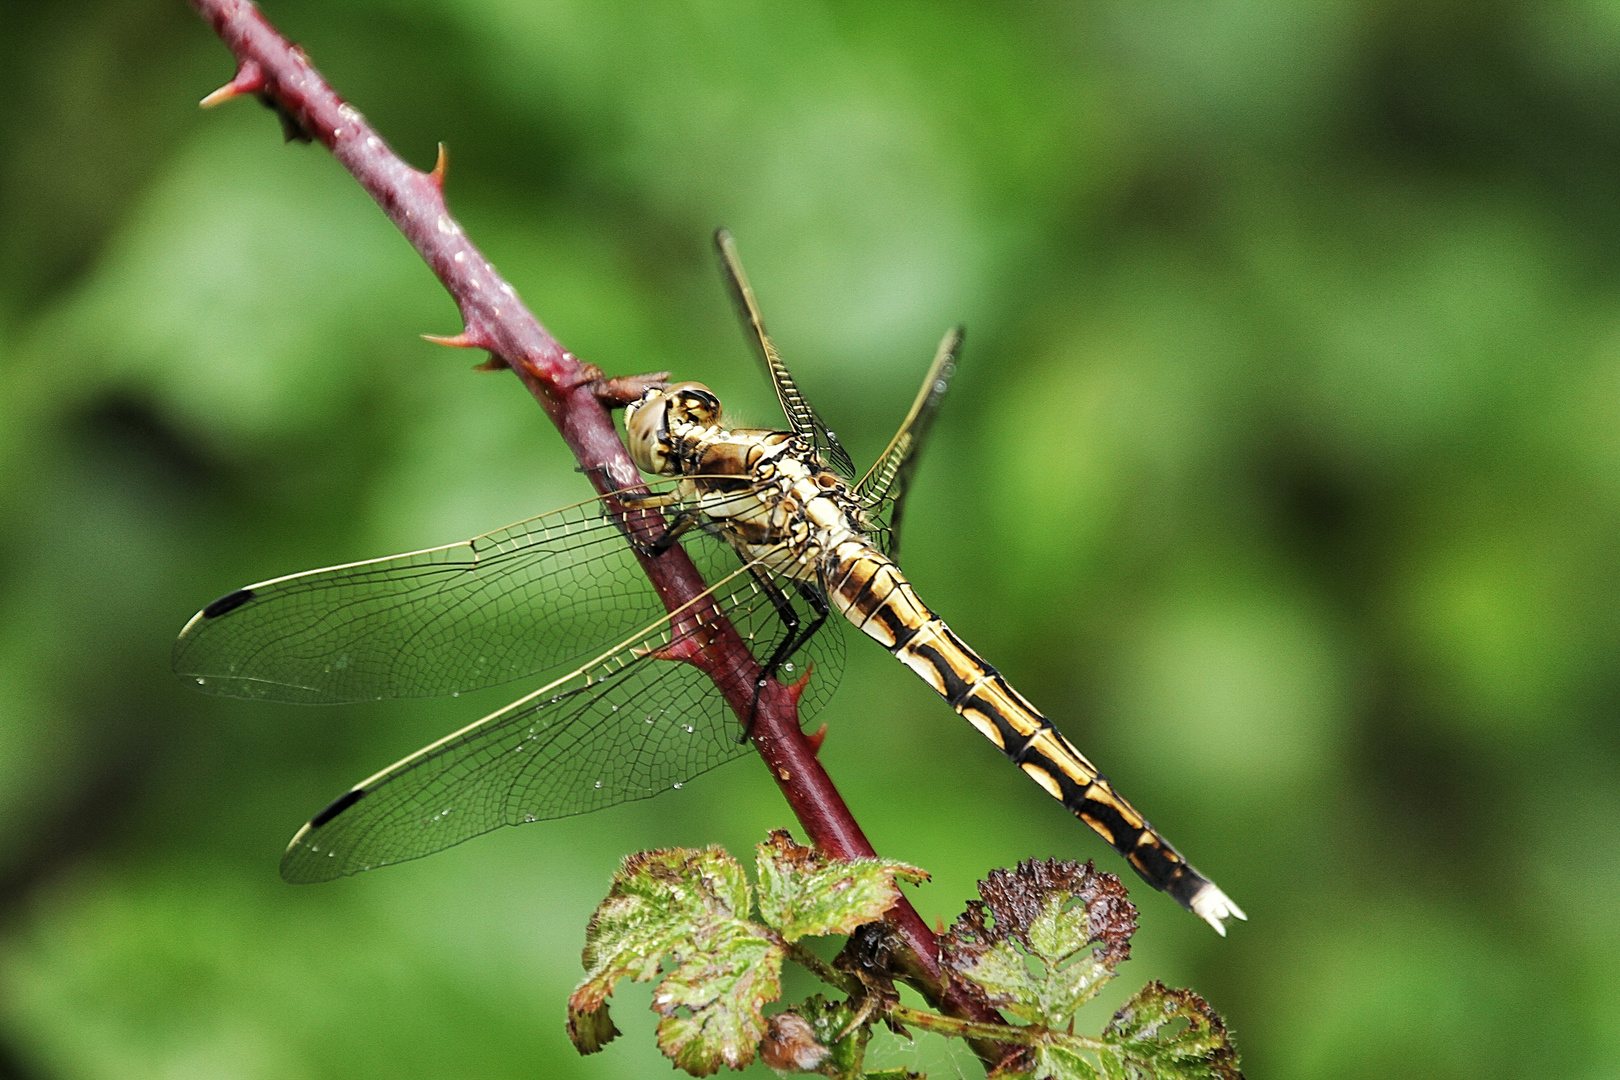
(691,905)
(1059,1062)
(1196,1045)
(1058,930)
(1048,992)
(1002,972)
(803,892)
(712,1002)
(657,900)
(592,1030)
(1113,1068)
(1027,944)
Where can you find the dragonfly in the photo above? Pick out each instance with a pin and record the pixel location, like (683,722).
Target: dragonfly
(775,520)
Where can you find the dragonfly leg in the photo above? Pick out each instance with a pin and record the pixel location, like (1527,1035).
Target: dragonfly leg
(817,599)
(684,520)
(794,640)
(672,532)
(682,523)
(632,500)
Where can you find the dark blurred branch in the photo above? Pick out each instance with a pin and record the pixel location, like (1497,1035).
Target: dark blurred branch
(572,395)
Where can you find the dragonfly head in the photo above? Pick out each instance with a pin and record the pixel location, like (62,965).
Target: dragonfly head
(648,423)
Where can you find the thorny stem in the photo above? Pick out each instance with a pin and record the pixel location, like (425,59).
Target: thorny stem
(497,321)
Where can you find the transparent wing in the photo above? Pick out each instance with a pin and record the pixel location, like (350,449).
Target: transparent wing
(883,489)
(629,724)
(529,598)
(801,417)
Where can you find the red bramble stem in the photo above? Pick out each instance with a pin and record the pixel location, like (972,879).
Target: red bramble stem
(497,321)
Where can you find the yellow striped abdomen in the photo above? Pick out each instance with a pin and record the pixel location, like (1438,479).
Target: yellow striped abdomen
(873,594)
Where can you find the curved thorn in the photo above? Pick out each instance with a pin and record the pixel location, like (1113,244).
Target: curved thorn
(220,96)
(249,79)
(440,168)
(798,686)
(464,340)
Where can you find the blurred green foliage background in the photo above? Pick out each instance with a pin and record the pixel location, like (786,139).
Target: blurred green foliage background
(1283,470)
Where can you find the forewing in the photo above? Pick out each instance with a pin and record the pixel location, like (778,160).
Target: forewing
(629,725)
(801,417)
(883,489)
(542,594)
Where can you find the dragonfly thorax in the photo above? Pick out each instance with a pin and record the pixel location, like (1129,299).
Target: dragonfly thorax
(767,491)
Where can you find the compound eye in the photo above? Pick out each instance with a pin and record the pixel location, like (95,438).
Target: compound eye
(646,426)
